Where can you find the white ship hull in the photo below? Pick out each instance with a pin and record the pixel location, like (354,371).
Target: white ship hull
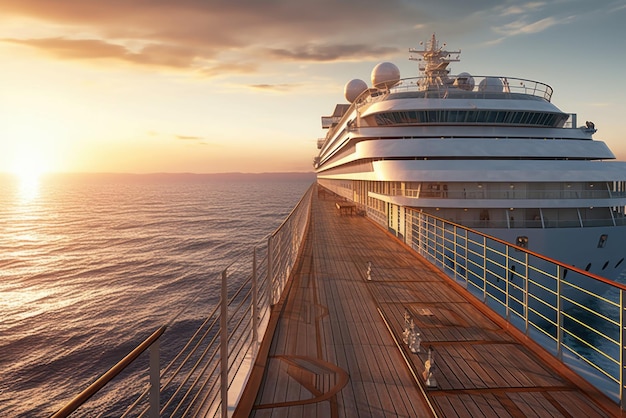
(494,155)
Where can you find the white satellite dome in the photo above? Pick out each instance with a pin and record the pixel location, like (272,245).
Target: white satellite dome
(491,85)
(385,75)
(353,89)
(464,81)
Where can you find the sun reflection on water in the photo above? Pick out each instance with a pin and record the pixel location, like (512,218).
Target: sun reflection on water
(25,303)
(28,187)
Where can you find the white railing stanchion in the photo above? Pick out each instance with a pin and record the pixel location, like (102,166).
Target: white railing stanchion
(224,344)
(484,270)
(155,380)
(526,298)
(559,319)
(255,305)
(622,381)
(507,279)
(270,272)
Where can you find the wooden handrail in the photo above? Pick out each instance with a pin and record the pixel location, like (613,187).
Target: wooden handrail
(82,397)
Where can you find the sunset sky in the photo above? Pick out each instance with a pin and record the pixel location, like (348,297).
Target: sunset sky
(205,86)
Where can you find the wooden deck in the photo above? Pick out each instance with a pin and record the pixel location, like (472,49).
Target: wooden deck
(337,349)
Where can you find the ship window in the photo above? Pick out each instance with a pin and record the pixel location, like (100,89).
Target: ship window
(523,117)
(467,116)
(522,241)
(588,267)
(605,265)
(541,119)
(602,241)
(619,262)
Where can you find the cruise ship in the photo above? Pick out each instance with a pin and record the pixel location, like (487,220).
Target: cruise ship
(492,153)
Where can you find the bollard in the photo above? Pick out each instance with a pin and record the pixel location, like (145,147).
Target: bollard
(415,339)
(429,369)
(407,322)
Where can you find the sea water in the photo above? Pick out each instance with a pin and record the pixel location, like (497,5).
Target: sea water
(90,265)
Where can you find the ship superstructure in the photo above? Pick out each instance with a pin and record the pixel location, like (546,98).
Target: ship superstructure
(488,152)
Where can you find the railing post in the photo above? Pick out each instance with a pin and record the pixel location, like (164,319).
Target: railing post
(507,279)
(526,278)
(270,271)
(155,380)
(466,258)
(224,344)
(559,317)
(455,251)
(622,380)
(255,304)
(484,270)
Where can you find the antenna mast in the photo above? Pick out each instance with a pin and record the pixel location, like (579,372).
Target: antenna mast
(433,62)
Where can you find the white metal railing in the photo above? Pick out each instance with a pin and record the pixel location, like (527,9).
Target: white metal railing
(577,316)
(510,194)
(506,86)
(207,375)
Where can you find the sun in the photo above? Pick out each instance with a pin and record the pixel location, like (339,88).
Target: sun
(28,166)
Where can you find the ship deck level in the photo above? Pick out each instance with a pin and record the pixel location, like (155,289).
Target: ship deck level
(337,348)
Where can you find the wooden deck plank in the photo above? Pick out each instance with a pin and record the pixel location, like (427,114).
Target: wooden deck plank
(574,404)
(331,316)
(533,404)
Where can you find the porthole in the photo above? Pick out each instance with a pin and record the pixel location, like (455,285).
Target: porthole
(588,267)
(619,262)
(605,265)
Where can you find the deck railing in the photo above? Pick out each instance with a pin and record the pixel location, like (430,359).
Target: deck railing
(482,84)
(577,316)
(207,376)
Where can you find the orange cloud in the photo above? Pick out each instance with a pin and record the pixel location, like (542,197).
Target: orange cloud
(159,55)
(210,36)
(274,87)
(189,138)
(75,49)
(331,52)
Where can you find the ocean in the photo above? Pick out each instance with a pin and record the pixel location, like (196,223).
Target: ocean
(92,264)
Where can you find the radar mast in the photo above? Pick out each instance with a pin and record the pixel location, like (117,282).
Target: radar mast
(433,63)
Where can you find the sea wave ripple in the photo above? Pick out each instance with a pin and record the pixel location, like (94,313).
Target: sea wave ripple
(90,265)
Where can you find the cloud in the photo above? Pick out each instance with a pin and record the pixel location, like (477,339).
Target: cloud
(617,6)
(528,18)
(159,55)
(216,69)
(274,87)
(211,36)
(521,9)
(520,27)
(331,52)
(189,138)
(74,49)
